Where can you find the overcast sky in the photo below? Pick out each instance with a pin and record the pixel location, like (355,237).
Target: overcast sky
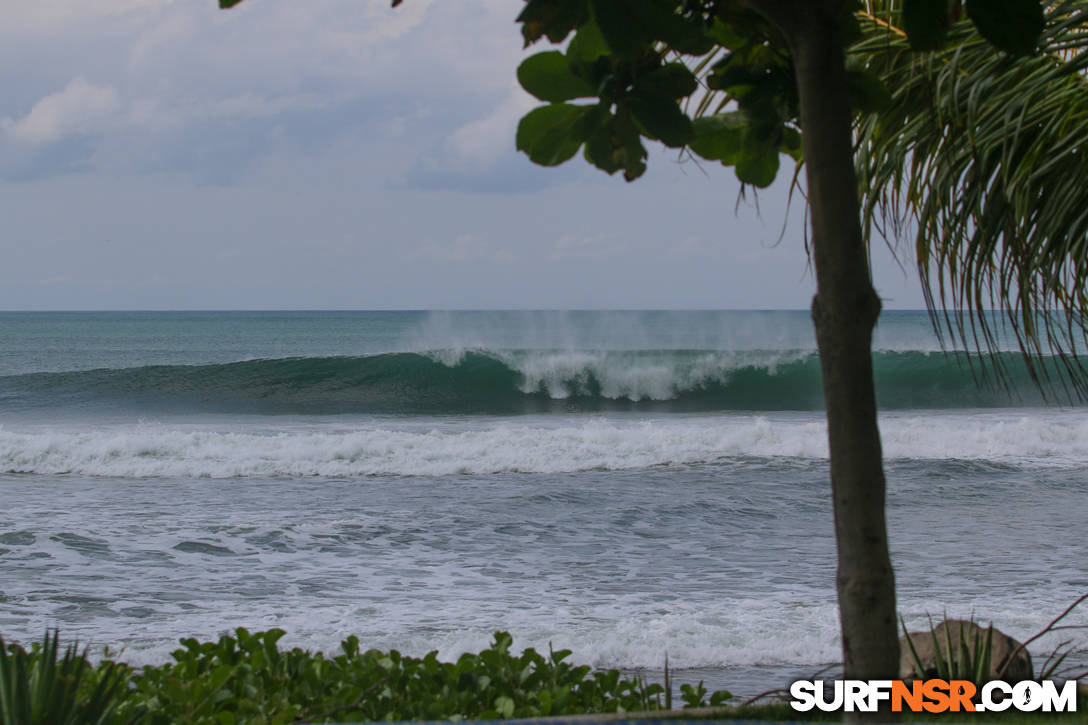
(164,154)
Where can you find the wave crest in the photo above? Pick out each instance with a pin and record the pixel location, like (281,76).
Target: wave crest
(509,381)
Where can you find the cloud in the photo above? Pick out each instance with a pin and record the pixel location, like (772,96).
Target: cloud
(480,154)
(81,108)
(478,145)
(177,87)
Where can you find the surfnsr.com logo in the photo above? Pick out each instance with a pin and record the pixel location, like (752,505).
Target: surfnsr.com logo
(933,696)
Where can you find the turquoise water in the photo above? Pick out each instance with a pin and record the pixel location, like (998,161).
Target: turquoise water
(625,484)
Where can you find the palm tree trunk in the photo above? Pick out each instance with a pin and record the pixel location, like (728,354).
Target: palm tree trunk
(844,311)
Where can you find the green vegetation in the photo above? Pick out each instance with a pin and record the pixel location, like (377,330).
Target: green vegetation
(964,661)
(39,687)
(247,678)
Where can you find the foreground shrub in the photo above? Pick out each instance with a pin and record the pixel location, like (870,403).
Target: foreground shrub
(246,678)
(38,687)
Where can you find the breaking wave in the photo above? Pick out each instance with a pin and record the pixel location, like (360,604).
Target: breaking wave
(510,381)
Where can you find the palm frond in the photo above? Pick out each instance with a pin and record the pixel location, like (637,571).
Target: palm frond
(984,158)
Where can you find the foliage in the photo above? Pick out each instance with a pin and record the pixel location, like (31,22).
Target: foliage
(633,61)
(984,157)
(644,62)
(964,660)
(37,687)
(247,678)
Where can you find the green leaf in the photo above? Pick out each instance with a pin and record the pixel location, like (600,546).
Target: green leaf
(720,137)
(548,77)
(926,23)
(588,44)
(633,155)
(613,144)
(726,35)
(552,18)
(602,153)
(679,33)
(226,4)
(504,706)
(758,169)
(672,80)
(621,27)
(550,134)
(663,120)
(1014,26)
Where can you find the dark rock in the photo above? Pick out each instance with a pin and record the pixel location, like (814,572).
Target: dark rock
(1002,649)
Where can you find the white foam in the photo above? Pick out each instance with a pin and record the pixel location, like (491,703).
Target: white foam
(631,377)
(624,374)
(502,446)
(728,632)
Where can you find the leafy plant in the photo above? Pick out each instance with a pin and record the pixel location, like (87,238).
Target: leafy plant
(959,661)
(37,687)
(695,696)
(246,678)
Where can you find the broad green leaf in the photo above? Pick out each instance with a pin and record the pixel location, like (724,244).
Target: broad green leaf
(550,134)
(225,4)
(621,27)
(663,119)
(632,154)
(552,18)
(1014,26)
(720,137)
(602,152)
(504,706)
(672,80)
(726,35)
(758,169)
(548,77)
(926,23)
(588,44)
(678,33)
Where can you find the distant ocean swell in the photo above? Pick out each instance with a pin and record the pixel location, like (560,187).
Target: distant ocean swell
(508,381)
(149,450)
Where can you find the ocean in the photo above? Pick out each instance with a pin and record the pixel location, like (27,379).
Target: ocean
(628,485)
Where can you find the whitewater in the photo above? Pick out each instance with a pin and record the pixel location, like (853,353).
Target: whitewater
(625,484)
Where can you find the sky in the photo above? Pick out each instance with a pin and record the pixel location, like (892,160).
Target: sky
(340,154)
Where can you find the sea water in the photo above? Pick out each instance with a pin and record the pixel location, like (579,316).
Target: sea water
(624,484)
